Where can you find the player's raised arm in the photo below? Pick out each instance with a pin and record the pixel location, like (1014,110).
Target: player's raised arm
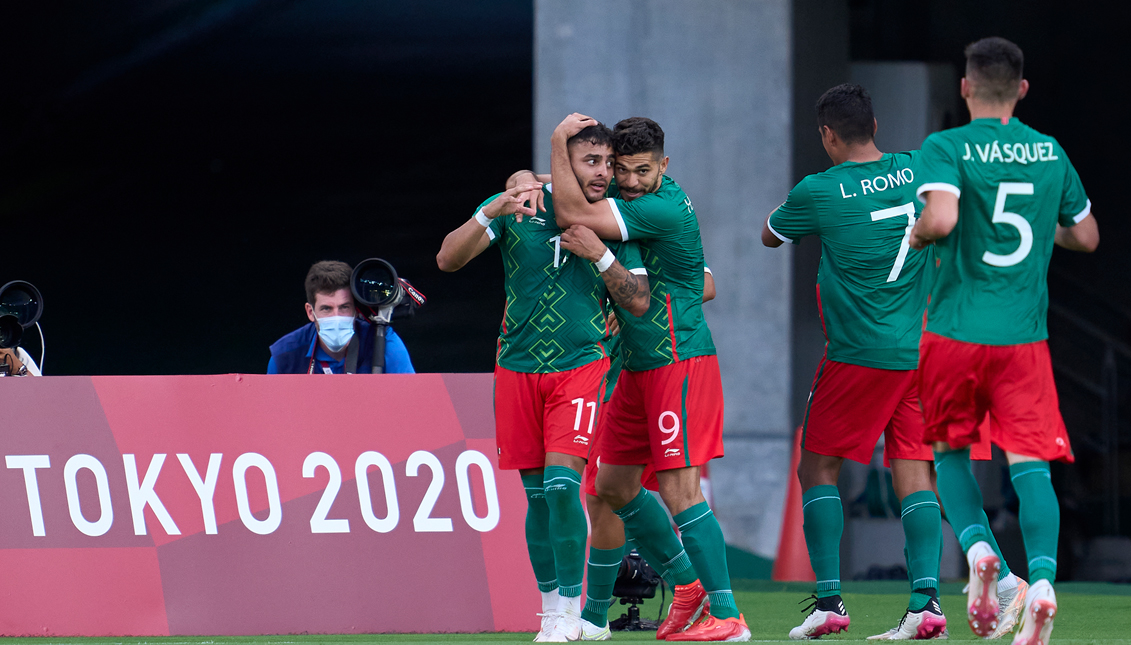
(940,216)
(472,237)
(1084,236)
(570,205)
(627,289)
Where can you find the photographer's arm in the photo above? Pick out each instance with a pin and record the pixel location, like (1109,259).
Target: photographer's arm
(471,238)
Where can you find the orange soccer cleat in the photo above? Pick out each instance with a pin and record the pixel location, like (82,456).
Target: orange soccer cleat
(688,603)
(709,628)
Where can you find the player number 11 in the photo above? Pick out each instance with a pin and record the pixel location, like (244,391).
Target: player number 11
(907,209)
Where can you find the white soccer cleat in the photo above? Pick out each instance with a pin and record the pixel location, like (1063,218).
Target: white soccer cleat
(591,632)
(831,619)
(549,621)
(981,597)
(1011,602)
(925,624)
(1036,619)
(566,629)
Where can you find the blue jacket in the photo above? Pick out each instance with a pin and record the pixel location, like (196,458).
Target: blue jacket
(291,354)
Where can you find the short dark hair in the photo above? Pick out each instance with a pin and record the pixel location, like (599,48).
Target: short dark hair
(598,135)
(326,277)
(995,66)
(847,110)
(638,134)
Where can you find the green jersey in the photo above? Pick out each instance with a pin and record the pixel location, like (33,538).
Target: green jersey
(1014,185)
(871,286)
(554,318)
(667,230)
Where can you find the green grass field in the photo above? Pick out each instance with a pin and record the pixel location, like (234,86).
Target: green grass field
(1089,613)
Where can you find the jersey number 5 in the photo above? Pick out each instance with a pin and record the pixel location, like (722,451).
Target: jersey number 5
(907,209)
(1004,190)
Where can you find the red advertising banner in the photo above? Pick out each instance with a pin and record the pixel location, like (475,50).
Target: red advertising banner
(246,504)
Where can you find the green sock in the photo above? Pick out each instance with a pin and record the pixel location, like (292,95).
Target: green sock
(567,527)
(603,566)
(703,538)
(645,520)
(962,500)
(538,534)
(919,599)
(1039,516)
(824,523)
(653,561)
(922,529)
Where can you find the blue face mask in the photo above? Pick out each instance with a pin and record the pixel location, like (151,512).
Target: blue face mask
(335,332)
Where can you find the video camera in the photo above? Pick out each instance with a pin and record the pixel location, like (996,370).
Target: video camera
(21,304)
(382,297)
(636,580)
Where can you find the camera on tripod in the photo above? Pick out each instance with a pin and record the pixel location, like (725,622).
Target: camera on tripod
(636,580)
(381,297)
(21,304)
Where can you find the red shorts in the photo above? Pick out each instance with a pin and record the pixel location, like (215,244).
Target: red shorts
(961,382)
(589,480)
(671,416)
(540,413)
(850,406)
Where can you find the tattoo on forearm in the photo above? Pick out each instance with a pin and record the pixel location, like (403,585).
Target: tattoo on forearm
(623,286)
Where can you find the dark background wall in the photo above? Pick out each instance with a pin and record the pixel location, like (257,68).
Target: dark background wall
(170,169)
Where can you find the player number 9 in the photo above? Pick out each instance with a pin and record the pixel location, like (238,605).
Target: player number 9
(673,430)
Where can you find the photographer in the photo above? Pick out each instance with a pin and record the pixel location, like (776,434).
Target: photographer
(17,362)
(335,341)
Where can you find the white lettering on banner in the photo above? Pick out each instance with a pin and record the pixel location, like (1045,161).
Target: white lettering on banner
(205,488)
(142,495)
(361,476)
(318,521)
(274,505)
(29,463)
(106,509)
(423,521)
(466,503)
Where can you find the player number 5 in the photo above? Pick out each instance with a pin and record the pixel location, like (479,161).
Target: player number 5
(1004,190)
(907,209)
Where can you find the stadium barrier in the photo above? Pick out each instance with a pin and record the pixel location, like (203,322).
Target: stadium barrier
(245,504)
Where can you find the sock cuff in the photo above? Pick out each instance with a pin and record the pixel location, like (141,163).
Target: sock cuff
(952,456)
(918,500)
(547,587)
(925,583)
(692,516)
(533,485)
(818,492)
(829,585)
(570,591)
(560,474)
(605,557)
(1029,468)
(722,598)
(632,508)
(678,564)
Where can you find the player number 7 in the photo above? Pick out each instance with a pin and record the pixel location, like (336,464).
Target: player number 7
(907,209)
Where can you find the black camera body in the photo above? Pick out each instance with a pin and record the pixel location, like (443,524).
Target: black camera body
(635,578)
(381,297)
(21,305)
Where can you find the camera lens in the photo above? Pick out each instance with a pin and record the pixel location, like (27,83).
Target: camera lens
(22,300)
(375,283)
(10,331)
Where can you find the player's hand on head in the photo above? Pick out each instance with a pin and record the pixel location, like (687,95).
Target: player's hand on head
(513,200)
(573,124)
(583,242)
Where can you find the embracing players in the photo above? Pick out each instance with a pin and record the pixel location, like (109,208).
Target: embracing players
(667,408)
(871,292)
(998,195)
(551,361)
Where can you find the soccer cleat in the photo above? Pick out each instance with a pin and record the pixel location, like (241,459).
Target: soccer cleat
(591,632)
(1011,602)
(927,623)
(828,616)
(981,598)
(566,629)
(549,621)
(688,603)
(709,628)
(1036,619)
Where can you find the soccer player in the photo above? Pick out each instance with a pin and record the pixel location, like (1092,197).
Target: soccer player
(667,408)
(551,362)
(998,195)
(871,292)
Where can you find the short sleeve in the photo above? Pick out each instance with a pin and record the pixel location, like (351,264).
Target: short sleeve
(648,217)
(629,255)
(1074,202)
(938,168)
(498,225)
(397,360)
(797,217)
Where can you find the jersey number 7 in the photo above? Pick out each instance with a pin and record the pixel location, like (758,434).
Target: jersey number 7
(907,209)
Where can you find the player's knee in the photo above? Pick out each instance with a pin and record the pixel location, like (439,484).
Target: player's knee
(614,494)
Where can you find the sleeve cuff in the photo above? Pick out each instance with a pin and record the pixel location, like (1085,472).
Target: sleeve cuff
(707,269)
(490,233)
(640,271)
(778,235)
(620,220)
(1084,213)
(938,185)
